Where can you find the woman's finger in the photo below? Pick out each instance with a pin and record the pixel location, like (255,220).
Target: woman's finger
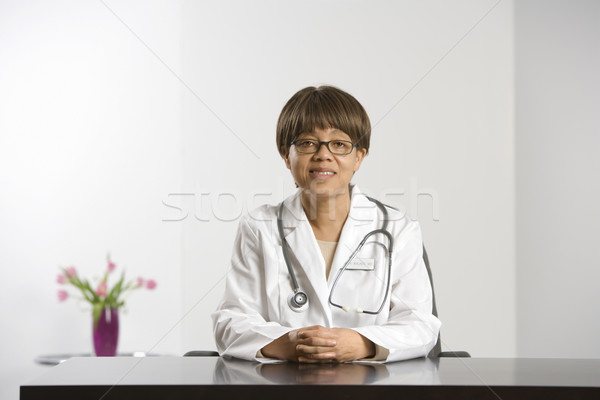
(321,332)
(317,341)
(303,349)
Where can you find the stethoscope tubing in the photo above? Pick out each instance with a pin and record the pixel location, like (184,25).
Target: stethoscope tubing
(389,271)
(284,245)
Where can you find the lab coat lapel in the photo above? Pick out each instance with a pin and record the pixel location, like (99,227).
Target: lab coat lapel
(306,257)
(361,220)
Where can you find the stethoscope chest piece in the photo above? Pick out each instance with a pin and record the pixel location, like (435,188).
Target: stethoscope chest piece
(298,301)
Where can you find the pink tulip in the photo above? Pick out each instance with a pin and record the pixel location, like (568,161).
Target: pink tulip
(71,271)
(150,284)
(140,281)
(102,289)
(111,266)
(61,279)
(63,295)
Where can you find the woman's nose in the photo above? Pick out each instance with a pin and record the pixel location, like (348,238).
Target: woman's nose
(323,151)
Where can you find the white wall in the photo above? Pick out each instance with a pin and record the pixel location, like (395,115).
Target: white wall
(438,86)
(558,186)
(89,144)
(97,129)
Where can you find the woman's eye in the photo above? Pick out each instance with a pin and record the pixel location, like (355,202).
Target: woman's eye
(306,143)
(339,144)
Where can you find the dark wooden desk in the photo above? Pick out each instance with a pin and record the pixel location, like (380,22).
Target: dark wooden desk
(213,377)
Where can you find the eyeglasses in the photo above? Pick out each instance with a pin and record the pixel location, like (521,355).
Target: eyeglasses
(311,146)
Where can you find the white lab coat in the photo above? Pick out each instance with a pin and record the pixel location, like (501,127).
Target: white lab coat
(255,311)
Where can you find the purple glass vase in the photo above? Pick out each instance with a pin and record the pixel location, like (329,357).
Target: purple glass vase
(106,332)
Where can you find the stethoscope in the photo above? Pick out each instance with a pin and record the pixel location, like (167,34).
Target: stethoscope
(298,300)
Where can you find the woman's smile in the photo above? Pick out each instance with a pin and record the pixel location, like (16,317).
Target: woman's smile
(321,173)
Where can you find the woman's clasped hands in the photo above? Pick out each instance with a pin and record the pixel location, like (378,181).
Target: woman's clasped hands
(317,344)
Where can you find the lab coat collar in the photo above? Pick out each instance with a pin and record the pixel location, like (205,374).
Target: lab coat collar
(362,210)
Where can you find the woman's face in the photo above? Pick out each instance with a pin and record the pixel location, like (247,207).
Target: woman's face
(324,173)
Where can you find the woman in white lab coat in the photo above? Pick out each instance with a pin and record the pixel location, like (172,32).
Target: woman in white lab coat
(359,307)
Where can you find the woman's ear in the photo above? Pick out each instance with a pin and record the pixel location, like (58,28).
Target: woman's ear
(360,155)
(285,154)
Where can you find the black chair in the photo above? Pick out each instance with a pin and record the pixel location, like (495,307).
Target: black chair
(437,349)
(434,353)
(201,353)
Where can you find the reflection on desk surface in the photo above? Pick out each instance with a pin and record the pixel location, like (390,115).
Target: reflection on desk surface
(55,359)
(173,371)
(421,371)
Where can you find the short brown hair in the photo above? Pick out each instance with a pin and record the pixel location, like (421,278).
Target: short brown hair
(321,108)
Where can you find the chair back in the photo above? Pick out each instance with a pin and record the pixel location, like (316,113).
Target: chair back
(438,346)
